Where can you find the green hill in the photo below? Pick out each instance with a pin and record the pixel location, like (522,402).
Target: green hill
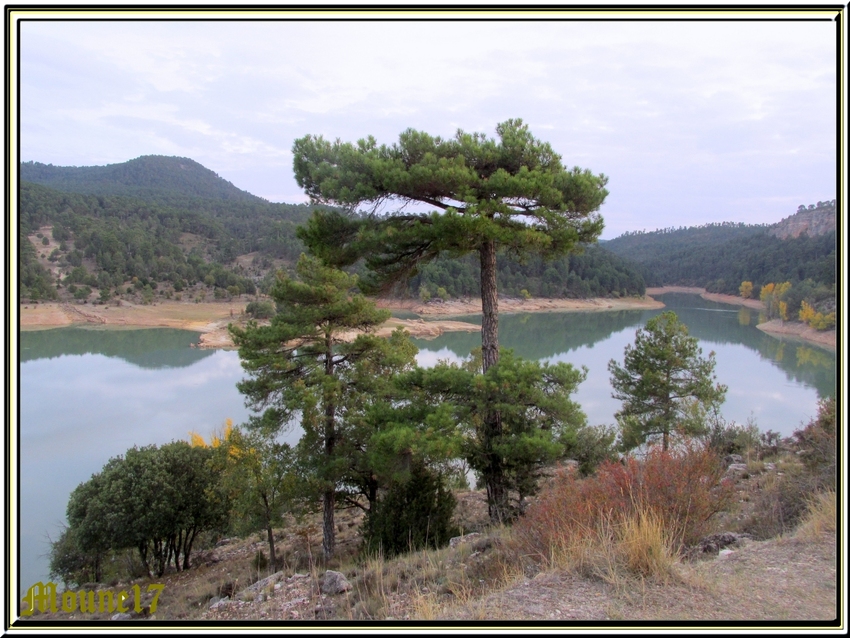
(150,177)
(168,226)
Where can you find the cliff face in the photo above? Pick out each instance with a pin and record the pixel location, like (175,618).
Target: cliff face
(810,221)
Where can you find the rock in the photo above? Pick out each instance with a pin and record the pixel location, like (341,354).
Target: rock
(736,468)
(334,583)
(729,459)
(261,585)
(716,542)
(122,617)
(295,577)
(221,602)
(724,553)
(457,540)
(213,601)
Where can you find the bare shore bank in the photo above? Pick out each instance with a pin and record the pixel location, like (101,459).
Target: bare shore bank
(211,318)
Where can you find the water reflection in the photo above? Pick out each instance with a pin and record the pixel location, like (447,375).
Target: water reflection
(150,348)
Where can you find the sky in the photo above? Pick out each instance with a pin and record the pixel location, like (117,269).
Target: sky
(692,122)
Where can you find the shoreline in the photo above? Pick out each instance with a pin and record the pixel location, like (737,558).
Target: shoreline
(211,318)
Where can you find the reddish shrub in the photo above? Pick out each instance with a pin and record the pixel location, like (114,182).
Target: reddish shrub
(684,487)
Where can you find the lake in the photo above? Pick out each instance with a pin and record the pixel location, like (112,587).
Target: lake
(87,395)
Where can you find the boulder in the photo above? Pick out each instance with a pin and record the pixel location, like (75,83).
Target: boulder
(457,540)
(737,468)
(334,583)
(729,459)
(716,542)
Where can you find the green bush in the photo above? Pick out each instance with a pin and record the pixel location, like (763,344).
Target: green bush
(260,309)
(415,513)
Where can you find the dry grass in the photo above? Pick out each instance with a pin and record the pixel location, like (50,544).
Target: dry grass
(819,518)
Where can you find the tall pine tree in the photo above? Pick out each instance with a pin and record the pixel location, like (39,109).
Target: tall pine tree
(489,195)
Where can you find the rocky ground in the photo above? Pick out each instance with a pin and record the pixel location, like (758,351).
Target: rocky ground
(729,578)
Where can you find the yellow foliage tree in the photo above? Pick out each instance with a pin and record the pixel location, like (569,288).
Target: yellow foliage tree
(746,289)
(216,439)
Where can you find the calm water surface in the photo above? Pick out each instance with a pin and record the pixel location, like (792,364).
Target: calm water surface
(87,395)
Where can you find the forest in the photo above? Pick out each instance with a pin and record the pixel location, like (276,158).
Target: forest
(157,226)
(719,257)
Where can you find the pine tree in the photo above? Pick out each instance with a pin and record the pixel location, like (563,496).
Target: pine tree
(660,379)
(303,363)
(511,194)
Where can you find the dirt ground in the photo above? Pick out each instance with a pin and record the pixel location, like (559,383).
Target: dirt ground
(469,306)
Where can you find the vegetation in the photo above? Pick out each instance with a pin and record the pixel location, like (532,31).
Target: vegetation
(302,363)
(176,226)
(719,257)
(538,420)
(665,384)
(415,513)
(156,500)
(639,512)
(512,194)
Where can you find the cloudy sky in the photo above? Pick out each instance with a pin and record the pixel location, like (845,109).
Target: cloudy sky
(693,122)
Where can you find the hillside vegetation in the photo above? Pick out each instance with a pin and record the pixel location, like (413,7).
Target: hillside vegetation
(719,257)
(167,226)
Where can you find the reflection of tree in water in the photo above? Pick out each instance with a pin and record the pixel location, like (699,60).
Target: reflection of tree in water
(150,348)
(540,335)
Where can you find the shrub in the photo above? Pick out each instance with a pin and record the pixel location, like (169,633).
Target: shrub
(817,445)
(260,309)
(783,501)
(415,513)
(820,516)
(732,438)
(681,488)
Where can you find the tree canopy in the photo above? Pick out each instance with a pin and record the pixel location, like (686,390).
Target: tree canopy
(665,384)
(487,195)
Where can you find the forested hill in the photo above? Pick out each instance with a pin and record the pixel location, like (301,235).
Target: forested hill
(168,226)
(150,177)
(721,256)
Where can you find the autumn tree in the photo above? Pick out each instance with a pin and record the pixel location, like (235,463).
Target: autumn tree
(487,195)
(746,289)
(662,380)
(303,364)
(263,472)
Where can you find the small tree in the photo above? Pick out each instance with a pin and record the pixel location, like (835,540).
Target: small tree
(303,363)
(663,383)
(415,513)
(262,472)
(746,289)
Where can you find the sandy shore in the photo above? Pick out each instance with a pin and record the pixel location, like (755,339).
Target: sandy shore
(800,330)
(210,319)
(471,306)
(711,296)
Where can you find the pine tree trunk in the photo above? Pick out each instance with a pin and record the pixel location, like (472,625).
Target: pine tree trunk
(497,497)
(329,497)
(489,305)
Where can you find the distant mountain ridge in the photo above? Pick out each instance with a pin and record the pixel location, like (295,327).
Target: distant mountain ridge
(813,221)
(145,176)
